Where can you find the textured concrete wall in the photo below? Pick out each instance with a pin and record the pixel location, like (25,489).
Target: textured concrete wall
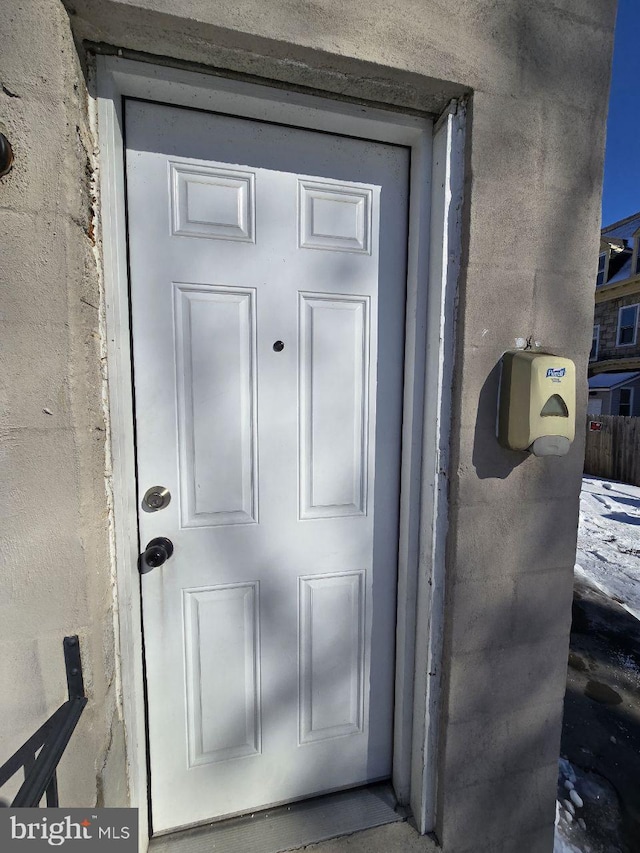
(53,532)
(539,74)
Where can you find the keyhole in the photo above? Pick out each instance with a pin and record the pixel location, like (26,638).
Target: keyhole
(278,346)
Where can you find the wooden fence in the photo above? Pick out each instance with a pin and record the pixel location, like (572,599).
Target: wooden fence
(613,450)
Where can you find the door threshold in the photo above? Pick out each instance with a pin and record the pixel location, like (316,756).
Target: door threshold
(289,827)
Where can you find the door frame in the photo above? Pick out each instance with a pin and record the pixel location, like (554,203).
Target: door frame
(435,216)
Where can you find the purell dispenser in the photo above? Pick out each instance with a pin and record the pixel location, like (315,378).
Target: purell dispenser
(537,403)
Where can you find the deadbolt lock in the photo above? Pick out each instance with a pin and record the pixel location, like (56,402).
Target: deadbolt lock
(155,498)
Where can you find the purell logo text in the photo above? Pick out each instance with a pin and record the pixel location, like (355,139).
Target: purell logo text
(54,832)
(556,372)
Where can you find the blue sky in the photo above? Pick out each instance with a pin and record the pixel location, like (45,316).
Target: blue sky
(621,193)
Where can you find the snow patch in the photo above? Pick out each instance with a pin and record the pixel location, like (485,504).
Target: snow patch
(561,844)
(608,554)
(576,799)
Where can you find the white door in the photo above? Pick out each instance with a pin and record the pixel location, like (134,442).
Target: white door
(594,406)
(267,295)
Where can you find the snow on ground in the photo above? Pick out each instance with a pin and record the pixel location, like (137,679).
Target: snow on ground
(561,843)
(587,812)
(567,814)
(608,554)
(608,557)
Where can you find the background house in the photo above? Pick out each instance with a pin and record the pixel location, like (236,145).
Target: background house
(614,394)
(614,360)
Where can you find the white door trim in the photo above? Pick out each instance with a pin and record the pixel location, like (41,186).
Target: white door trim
(431,283)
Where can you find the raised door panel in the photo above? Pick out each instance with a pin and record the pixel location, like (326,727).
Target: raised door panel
(222,665)
(334,405)
(334,217)
(216,385)
(213,202)
(331,655)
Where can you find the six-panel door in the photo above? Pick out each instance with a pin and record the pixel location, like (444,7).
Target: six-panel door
(267,296)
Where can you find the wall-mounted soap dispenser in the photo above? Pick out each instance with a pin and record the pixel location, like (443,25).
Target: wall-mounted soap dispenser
(537,403)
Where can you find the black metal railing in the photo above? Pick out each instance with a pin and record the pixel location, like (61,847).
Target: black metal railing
(41,754)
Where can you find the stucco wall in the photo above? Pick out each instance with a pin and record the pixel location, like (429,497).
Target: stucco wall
(539,75)
(53,534)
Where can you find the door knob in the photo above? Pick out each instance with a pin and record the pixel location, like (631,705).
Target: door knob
(155,554)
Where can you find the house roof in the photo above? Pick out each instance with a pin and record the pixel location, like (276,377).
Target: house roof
(621,235)
(608,381)
(620,265)
(624,229)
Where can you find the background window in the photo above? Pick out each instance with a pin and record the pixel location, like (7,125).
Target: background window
(593,355)
(624,406)
(627,320)
(602,262)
